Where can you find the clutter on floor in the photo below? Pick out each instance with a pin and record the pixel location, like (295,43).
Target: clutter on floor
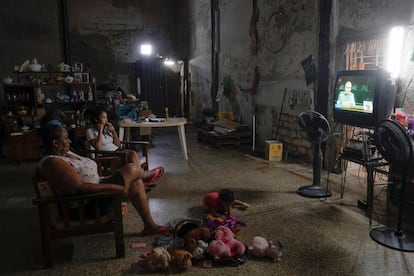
(205,243)
(224,132)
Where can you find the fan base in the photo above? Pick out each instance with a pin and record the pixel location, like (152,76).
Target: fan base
(401,241)
(314,191)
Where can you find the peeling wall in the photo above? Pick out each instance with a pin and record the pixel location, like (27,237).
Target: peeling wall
(283,70)
(278,71)
(199,56)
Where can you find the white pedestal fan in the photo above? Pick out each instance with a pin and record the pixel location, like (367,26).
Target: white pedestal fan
(396,146)
(314,127)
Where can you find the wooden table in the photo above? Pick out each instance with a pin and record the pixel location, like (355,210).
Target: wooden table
(124,128)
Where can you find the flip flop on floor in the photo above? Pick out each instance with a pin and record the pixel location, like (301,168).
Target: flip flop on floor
(124,208)
(157,176)
(160,230)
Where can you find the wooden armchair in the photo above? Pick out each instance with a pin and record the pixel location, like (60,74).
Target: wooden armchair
(55,222)
(141,147)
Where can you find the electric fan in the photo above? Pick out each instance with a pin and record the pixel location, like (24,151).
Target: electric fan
(395,145)
(314,127)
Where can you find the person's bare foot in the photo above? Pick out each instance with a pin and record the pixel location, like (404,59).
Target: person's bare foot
(150,174)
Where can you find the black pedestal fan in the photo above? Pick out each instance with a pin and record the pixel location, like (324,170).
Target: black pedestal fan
(314,127)
(396,146)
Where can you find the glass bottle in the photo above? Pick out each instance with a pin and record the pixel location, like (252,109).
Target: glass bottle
(167,117)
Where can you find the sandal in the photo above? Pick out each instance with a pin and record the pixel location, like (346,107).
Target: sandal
(161,230)
(124,208)
(158,175)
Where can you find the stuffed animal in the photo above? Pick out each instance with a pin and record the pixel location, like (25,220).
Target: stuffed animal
(261,247)
(225,245)
(198,252)
(156,259)
(224,234)
(180,258)
(192,237)
(218,250)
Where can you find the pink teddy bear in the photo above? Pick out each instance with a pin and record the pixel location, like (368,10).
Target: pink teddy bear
(225,245)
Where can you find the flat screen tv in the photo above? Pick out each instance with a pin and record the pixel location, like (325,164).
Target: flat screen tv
(363,98)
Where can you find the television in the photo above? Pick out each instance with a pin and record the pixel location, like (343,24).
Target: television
(363,98)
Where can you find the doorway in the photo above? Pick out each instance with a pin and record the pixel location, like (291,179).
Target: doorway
(160,86)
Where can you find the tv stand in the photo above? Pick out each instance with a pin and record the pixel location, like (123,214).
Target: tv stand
(360,150)
(371,165)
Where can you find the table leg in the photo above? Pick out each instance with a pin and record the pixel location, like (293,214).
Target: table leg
(183,142)
(121,133)
(127,134)
(370,190)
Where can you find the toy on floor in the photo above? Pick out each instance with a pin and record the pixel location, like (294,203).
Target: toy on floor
(241,205)
(180,258)
(218,250)
(224,244)
(261,247)
(192,237)
(220,203)
(198,252)
(230,221)
(233,223)
(158,259)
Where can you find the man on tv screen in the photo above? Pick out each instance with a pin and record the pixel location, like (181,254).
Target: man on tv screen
(346,97)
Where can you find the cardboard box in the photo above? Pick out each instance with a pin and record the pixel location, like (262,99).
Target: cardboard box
(273,150)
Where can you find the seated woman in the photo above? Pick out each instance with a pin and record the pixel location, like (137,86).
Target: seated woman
(102,136)
(69,173)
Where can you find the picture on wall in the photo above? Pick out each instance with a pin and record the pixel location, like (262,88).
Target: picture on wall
(81,77)
(77,67)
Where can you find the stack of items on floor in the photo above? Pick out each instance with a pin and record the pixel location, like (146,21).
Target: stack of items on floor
(209,244)
(224,132)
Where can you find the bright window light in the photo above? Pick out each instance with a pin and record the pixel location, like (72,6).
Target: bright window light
(146,49)
(394,52)
(168,62)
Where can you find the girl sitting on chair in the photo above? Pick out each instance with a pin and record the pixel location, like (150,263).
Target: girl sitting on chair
(102,136)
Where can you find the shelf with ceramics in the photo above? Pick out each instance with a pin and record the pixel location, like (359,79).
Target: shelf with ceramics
(35,86)
(33,73)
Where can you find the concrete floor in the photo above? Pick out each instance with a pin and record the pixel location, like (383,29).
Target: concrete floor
(322,237)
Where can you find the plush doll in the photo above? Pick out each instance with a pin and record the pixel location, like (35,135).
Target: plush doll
(198,252)
(156,259)
(192,237)
(180,258)
(233,223)
(225,245)
(218,250)
(261,247)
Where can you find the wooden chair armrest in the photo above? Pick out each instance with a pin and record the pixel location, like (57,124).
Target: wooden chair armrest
(138,146)
(143,143)
(101,152)
(104,155)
